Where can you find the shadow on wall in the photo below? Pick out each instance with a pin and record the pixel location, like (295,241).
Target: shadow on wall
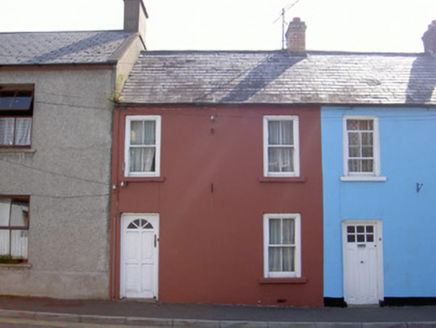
(422,80)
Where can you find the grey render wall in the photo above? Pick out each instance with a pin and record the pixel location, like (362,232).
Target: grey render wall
(67,175)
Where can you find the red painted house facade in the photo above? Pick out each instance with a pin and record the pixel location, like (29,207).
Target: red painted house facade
(222,229)
(216,182)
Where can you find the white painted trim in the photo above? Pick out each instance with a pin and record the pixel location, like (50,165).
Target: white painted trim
(376,145)
(363,178)
(380,271)
(296,132)
(129,119)
(297,219)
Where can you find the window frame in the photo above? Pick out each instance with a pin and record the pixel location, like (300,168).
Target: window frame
(296,145)
(16,113)
(8,258)
(375,175)
(129,120)
(297,244)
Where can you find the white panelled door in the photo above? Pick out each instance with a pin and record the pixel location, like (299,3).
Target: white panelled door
(139,255)
(363,263)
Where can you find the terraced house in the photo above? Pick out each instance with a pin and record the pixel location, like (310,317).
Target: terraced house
(277,177)
(55,151)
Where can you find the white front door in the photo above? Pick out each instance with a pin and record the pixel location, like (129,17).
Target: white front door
(139,255)
(363,262)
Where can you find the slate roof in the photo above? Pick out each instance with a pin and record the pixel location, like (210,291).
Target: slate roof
(276,77)
(42,48)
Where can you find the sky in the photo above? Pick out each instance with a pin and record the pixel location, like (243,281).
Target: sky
(332,25)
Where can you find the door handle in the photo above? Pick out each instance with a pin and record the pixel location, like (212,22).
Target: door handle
(155,241)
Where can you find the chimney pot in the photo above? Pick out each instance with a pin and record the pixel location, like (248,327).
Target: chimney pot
(296,36)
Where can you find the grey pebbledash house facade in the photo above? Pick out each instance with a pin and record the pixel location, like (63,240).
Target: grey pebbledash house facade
(55,153)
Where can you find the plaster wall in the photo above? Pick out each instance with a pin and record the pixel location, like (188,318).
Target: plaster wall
(211,199)
(66,173)
(407,137)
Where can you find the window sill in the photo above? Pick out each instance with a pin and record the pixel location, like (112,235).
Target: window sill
(143,179)
(17,150)
(267,281)
(17,266)
(361,178)
(282,179)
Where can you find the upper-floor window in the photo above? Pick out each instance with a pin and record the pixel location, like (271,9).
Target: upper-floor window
(14,228)
(142,146)
(281,146)
(361,146)
(282,246)
(16,111)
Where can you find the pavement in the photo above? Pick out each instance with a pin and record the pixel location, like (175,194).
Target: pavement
(154,314)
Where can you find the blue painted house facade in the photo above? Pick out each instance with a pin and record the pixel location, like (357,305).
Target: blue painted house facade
(379,178)
(379,231)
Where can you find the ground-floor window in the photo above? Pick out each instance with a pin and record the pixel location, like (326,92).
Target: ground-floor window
(14,228)
(282,250)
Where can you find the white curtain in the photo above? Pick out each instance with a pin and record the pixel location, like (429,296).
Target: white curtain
(22,131)
(281,251)
(142,146)
(7,131)
(280,159)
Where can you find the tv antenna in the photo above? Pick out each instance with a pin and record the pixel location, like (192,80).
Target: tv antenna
(282,16)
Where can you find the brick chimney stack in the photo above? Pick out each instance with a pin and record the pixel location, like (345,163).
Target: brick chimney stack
(429,39)
(296,36)
(135,17)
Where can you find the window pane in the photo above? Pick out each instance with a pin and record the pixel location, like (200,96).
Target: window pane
(288,231)
(275,259)
(150,133)
(360,229)
(354,138)
(367,165)
(20,213)
(137,133)
(367,151)
(354,151)
(4,242)
(352,125)
(6,98)
(370,238)
(287,132)
(351,238)
(354,165)
(142,159)
(369,229)
(143,133)
(273,132)
(19,243)
(22,131)
(7,131)
(280,160)
(360,238)
(5,211)
(288,259)
(280,133)
(350,229)
(275,232)
(367,138)
(22,100)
